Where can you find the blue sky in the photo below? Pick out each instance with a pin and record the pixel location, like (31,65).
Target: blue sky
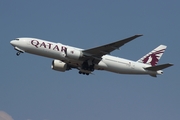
(30,90)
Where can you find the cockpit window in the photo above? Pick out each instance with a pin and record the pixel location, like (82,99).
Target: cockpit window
(16,39)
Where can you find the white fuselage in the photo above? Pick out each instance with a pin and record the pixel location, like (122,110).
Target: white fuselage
(57,51)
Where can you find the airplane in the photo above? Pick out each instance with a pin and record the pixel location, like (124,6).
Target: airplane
(97,58)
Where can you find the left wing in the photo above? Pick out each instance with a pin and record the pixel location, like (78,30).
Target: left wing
(106,49)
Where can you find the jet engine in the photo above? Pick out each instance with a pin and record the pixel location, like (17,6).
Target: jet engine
(73,53)
(59,66)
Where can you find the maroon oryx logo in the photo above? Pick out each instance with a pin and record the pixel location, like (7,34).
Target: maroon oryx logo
(153,58)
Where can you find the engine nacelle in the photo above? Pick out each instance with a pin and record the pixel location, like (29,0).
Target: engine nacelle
(59,66)
(73,53)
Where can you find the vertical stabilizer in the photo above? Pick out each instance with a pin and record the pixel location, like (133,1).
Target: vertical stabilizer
(154,56)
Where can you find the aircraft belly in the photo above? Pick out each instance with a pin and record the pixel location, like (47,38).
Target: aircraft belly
(124,67)
(119,68)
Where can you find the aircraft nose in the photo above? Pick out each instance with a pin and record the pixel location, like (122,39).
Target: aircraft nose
(12,42)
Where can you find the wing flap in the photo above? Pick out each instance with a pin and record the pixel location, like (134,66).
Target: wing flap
(159,67)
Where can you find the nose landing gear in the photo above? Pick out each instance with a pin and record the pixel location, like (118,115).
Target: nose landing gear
(18,53)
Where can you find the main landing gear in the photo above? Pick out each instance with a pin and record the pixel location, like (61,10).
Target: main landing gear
(80,72)
(87,67)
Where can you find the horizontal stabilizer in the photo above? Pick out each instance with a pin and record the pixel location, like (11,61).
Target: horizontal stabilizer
(159,67)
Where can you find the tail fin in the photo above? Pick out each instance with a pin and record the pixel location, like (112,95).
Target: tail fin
(154,56)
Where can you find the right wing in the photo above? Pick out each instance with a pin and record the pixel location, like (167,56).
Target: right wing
(98,52)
